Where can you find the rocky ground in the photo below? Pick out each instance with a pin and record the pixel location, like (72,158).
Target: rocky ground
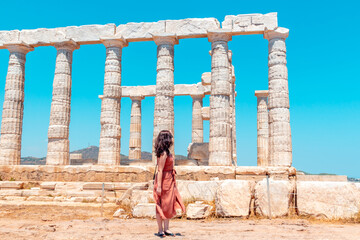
(85,222)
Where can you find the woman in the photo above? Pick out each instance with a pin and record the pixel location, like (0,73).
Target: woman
(166,195)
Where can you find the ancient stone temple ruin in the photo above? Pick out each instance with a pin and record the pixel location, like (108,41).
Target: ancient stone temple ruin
(237,190)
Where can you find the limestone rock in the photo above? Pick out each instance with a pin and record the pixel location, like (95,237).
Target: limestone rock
(139,196)
(120,212)
(48,185)
(198,151)
(186,162)
(142,31)
(42,36)
(8,37)
(198,210)
(279,197)
(233,198)
(206,78)
(88,34)
(197,190)
(144,210)
(11,185)
(205,112)
(328,199)
(250,23)
(192,27)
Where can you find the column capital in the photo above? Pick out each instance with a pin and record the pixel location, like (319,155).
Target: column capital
(165,38)
(19,47)
(117,41)
(70,45)
(137,98)
(279,32)
(219,35)
(262,93)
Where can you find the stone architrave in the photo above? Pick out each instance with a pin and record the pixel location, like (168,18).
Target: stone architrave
(110,135)
(197,121)
(220,122)
(135,128)
(262,128)
(12,115)
(280,148)
(58,133)
(164,99)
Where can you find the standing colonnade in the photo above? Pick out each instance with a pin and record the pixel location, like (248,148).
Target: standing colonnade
(165,34)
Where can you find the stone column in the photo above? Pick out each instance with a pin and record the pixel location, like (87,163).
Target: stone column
(135,129)
(197,120)
(110,135)
(164,99)
(220,122)
(280,149)
(262,128)
(232,109)
(58,133)
(12,115)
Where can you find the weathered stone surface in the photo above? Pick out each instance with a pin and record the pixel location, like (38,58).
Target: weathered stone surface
(186,162)
(48,185)
(199,151)
(197,190)
(142,31)
(206,78)
(144,210)
(250,23)
(197,121)
(43,36)
(98,186)
(135,129)
(233,198)
(204,173)
(327,178)
(198,210)
(327,199)
(140,196)
(120,212)
(11,185)
(9,37)
(89,34)
(280,192)
(192,27)
(205,112)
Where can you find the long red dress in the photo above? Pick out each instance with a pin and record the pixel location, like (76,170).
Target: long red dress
(170,198)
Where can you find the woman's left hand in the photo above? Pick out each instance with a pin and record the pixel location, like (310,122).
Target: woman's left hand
(158,191)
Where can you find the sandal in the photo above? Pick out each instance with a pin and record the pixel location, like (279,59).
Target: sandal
(169,234)
(160,234)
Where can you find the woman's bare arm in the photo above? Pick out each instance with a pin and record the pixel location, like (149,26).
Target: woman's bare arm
(161,165)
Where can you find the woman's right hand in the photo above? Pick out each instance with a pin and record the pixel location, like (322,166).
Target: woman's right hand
(158,191)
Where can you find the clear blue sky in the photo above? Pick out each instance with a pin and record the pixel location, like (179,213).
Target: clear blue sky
(323,62)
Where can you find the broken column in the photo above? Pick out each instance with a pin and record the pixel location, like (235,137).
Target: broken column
(164,99)
(110,135)
(12,115)
(197,120)
(58,133)
(262,128)
(135,128)
(280,149)
(220,123)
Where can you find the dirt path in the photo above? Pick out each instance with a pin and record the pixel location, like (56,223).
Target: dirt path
(59,223)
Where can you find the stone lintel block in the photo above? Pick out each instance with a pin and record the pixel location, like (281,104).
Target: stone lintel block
(86,34)
(250,23)
(8,37)
(11,184)
(192,27)
(140,91)
(48,185)
(205,112)
(262,93)
(143,31)
(204,173)
(255,170)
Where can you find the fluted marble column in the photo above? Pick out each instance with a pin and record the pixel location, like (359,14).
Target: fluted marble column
(220,122)
(280,149)
(135,128)
(262,128)
(110,135)
(197,135)
(232,109)
(164,99)
(58,133)
(12,115)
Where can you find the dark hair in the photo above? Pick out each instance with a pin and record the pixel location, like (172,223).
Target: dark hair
(163,142)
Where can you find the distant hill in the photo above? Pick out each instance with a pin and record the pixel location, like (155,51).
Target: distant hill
(89,153)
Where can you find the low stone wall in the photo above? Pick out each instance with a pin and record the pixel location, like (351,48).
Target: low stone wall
(133,173)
